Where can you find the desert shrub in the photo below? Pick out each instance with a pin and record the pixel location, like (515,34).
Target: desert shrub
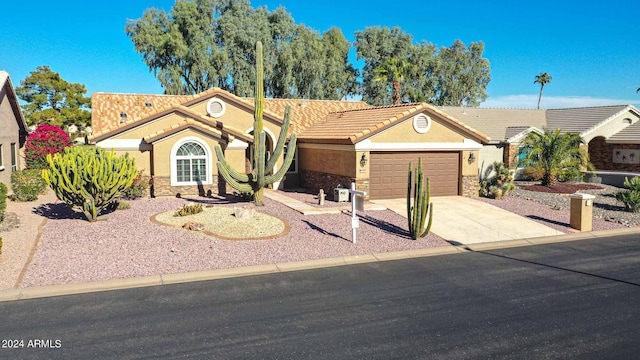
(27,185)
(3,200)
(532,173)
(46,139)
(631,197)
(570,174)
(123,205)
(89,178)
(498,185)
(188,209)
(138,189)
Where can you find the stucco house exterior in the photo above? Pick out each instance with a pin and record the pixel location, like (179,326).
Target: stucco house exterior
(14,130)
(611,134)
(173,137)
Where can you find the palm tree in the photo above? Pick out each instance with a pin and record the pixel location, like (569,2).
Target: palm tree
(393,70)
(556,154)
(542,79)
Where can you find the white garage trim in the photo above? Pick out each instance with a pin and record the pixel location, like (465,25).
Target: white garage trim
(124,144)
(467,144)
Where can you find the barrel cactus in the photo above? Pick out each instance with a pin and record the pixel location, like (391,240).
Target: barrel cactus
(254,182)
(89,179)
(420,211)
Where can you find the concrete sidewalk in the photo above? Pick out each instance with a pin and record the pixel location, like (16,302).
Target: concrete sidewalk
(468,221)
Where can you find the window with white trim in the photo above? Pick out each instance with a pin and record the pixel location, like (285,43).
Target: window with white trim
(1,158)
(191,163)
(14,157)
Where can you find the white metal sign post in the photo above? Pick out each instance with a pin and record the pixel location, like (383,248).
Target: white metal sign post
(356,197)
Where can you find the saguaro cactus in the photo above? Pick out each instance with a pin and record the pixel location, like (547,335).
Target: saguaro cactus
(255,181)
(422,208)
(89,179)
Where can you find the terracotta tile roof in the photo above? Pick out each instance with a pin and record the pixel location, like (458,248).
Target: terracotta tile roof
(305,113)
(355,125)
(107,107)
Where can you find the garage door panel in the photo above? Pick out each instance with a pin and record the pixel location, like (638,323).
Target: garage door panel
(389,171)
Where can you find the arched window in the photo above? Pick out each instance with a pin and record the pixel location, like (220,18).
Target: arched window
(191,163)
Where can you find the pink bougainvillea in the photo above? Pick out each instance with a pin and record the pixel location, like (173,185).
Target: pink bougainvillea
(46,139)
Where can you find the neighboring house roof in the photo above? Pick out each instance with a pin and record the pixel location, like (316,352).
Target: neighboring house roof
(629,135)
(495,122)
(5,81)
(515,134)
(107,108)
(581,120)
(352,126)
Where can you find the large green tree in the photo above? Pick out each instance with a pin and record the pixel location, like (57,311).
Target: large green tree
(200,44)
(52,100)
(542,79)
(455,75)
(462,75)
(377,45)
(557,154)
(393,72)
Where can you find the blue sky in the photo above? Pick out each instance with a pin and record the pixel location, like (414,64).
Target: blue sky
(591,49)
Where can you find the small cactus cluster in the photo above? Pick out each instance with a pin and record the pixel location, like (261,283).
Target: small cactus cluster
(421,209)
(89,178)
(263,165)
(188,209)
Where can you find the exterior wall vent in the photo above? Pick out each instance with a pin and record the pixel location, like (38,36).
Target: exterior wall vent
(421,123)
(216,107)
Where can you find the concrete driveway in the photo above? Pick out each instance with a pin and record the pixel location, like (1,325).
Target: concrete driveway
(468,221)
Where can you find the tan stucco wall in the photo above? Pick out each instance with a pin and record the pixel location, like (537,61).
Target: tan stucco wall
(235,117)
(151,127)
(339,162)
(9,134)
(404,132)
(469,167)
(143,159)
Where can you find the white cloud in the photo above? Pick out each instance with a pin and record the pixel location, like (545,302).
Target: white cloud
(551,102)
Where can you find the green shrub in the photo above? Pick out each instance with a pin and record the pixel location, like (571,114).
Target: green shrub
(3,200)
(631,197)
(89,178)
(27,185)
(498,185)
(123,205)
(532,173)
(138,189)
(188,209)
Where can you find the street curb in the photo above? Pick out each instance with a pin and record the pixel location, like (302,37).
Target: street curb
(156,280)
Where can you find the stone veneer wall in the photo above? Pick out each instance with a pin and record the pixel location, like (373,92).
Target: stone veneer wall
(313,181)
(162,187)
(601,155)
(510,156)
(470,185)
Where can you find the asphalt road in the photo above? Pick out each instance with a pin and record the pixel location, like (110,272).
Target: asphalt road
(568,300)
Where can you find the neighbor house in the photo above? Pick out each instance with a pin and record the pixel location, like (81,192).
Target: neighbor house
(14,130)
(172,139)
(611,134)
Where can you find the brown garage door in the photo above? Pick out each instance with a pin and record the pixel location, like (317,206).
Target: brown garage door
(388,178)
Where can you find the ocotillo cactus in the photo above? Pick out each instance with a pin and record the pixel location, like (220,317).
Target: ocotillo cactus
(89,179)
(255,181)
(422,208)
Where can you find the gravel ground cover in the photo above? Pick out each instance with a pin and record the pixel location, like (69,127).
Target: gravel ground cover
(129,244)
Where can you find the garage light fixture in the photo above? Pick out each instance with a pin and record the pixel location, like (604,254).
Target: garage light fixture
(472,158)
(363,160)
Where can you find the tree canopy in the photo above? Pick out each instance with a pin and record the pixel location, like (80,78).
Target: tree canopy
(542,79)
(200,44)
(52,100)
